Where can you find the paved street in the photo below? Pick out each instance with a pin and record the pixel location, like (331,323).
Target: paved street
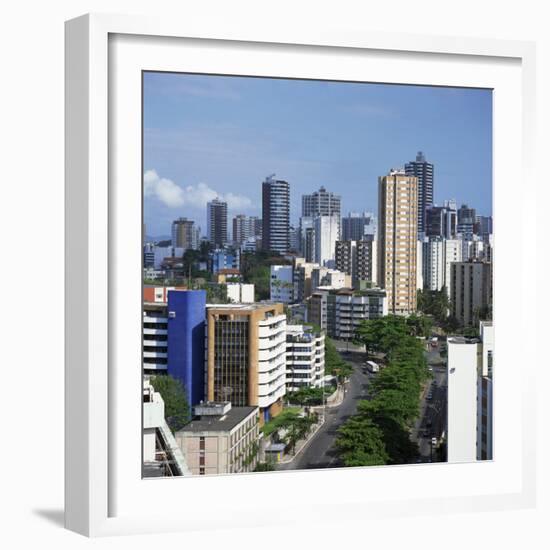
(319,452)
(433,412)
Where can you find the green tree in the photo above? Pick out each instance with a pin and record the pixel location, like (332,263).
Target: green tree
(360,442)
(176,407)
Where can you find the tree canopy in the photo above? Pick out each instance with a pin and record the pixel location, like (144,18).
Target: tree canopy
(176,407)
(379,432)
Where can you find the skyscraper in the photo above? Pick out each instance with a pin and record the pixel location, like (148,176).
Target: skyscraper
(275,215)
(397,240)
(216,221)
(424,172)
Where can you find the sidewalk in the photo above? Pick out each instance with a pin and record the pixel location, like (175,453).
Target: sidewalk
(287,459)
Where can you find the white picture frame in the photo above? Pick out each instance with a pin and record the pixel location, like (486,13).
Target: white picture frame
(104,492)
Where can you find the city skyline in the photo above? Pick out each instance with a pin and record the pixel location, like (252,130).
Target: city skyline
(213,136)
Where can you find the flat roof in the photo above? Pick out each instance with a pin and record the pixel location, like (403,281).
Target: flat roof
(224,423)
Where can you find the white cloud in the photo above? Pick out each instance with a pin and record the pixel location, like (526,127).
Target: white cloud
(196,196)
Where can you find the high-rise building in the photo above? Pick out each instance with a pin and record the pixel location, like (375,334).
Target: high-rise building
(302,279)
(441,221)
(275,215)
(424,173)
(185,234)
(307,238)
(433,263)
(245,227)
(471,291)
(358,227)
(358,259)
(484,226)
(321,203)
(326,235)
(397,240)
(466,219)
(216,221)
(246,356)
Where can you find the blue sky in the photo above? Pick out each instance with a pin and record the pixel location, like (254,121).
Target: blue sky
(207,136)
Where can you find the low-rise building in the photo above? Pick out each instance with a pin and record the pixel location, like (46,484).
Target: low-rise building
(221,439)
(305,357)
(240,293)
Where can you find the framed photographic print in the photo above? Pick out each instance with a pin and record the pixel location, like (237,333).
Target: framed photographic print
(282,260)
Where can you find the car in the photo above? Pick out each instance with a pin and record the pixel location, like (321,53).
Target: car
(430,396)
(429,424)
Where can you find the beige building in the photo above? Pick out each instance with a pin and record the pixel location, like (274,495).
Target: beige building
(471,291)
(221,440)
(397,238)
(246,356)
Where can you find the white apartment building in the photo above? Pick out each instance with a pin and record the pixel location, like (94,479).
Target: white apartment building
(305,358)
(282,284)
(327,230)
(470,396)
(462,399)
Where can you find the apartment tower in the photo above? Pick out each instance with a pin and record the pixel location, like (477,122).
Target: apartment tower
(216,221)
(424,173)
(275,215)
(397,234)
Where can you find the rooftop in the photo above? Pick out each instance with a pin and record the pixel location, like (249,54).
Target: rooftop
(223,423)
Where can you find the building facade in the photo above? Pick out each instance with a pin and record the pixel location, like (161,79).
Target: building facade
(221,439)
(186,332)
(185,234)
(216,222)
(281,284)
(326,236)
(275,215)
(471,291)
(245,227)
(246,356)
(322,203)
(340,312)
(424,173)
(397,240)
(305,358)
(357,227)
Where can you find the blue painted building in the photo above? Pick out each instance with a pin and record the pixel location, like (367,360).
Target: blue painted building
(186,333)
(223,259)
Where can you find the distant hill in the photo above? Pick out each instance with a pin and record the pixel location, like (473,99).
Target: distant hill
(151,239)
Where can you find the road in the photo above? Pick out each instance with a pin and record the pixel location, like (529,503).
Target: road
(433,412)
(320,452)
